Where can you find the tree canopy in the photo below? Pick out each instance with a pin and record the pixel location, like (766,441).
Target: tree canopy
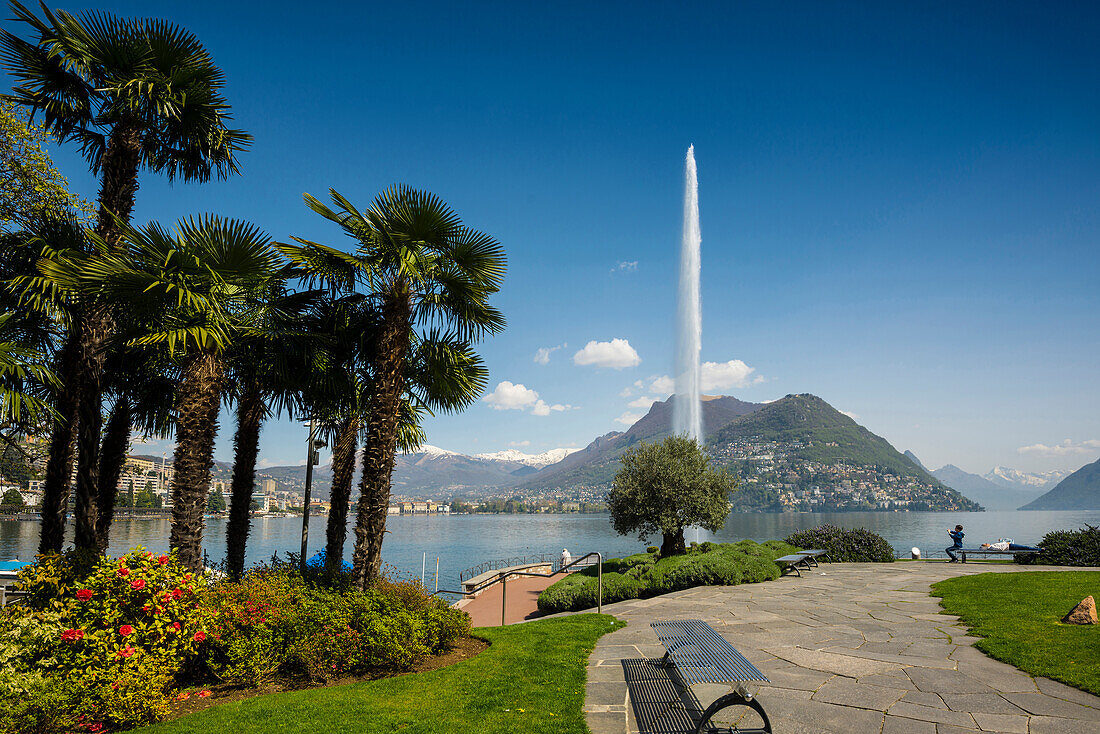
(665,487)
(30,186)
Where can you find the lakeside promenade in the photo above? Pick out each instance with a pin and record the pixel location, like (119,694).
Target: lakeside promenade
(850,647)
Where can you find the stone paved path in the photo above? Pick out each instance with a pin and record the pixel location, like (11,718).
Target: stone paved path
(848,648)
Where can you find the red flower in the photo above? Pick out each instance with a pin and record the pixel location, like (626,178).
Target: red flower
(125,652)
(147,609)
(176,626)
(199,636)
(125,630)
(176,593)
(137,584)
(204,694)
(123,572)
(183,696)
(84,594)
(72,635)
(95,726)
(162,560)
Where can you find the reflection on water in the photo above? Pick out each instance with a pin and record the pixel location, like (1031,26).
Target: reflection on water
(462,541)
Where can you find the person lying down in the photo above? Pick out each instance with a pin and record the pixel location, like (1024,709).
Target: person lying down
(1006,544)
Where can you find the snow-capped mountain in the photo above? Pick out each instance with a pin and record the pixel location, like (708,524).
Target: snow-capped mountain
(1014,478)
(429,450)
(546,458)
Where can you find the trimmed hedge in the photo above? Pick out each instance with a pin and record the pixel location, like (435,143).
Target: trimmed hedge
(646,574)
(1071,547)
(845,546)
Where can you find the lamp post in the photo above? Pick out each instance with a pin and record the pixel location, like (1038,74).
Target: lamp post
(310,450)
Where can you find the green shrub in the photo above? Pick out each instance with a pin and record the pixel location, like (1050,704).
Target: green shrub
(275,623)
(641,576)
(1071,547)
(102,642)
(845,546)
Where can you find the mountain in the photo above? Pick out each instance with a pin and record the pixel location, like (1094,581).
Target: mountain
(794,453)
(802,453)
(1016,479)
(433,472)
(546,458)
(596,464)
(1079,491)
(981,490)
(913,458)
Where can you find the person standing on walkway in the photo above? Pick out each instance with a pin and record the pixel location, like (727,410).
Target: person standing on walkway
(957,537)
(566,558)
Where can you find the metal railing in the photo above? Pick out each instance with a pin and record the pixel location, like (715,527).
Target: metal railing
(481,568)
(502,579)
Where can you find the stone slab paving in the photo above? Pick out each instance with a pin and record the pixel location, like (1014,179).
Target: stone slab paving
(849,648)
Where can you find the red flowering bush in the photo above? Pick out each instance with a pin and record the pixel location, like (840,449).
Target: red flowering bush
(120,632)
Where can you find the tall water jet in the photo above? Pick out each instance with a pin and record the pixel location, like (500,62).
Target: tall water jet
(687,414)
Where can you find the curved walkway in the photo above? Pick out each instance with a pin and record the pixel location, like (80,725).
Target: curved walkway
(849,648)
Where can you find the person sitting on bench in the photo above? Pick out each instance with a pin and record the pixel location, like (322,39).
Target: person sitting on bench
(1006,544)
(957,536)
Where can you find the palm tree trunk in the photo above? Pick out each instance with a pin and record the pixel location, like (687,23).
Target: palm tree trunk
(96,327)
(59,466)
(199,398)
(118,185)
(116,440)
(343,467)
(381,443)
(246,446)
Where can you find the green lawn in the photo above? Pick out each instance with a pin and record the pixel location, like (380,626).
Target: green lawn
(1018,615)
(530,679)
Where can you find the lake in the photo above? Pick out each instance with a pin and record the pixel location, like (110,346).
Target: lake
(462,541)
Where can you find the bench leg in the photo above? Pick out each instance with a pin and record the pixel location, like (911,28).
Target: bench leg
(735,699)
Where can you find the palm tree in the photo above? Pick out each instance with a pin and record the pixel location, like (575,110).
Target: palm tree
(423,269)
(142,383)
(60,237)
(265,367)
(133,94)
(188,290)
(26,338)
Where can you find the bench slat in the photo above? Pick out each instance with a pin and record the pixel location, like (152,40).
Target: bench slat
(702,655)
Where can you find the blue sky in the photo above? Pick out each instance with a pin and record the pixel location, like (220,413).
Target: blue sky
(898,203)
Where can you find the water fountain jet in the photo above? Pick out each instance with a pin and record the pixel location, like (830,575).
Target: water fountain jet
(687,413)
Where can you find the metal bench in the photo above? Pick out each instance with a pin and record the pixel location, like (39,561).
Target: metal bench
(792,562)
(701,655)
(1027,556)
(814,554)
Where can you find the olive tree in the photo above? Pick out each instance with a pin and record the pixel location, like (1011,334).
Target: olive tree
(665,487)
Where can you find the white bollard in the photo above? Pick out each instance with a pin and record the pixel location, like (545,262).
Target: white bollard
(916,553)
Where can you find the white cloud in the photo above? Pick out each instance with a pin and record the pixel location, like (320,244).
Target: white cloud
(542,356)
(629,419)
(542,408)
(715,377)
(616,354)
(663,385)
(1066,448)
(519,443)
(724,375)
(851,415)
(643,402)
(509,396)
(628,266)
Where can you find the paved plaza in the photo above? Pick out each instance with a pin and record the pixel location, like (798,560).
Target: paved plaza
(848,648)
